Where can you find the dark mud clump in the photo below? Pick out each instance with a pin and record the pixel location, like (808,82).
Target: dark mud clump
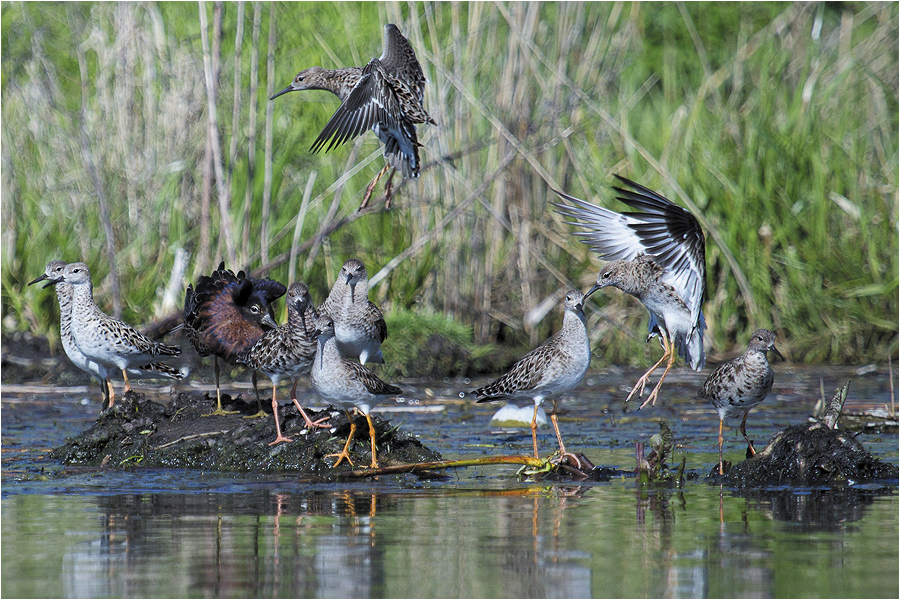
(810,455)
(137,432)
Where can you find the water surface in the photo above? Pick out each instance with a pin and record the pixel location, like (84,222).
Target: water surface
(71,532)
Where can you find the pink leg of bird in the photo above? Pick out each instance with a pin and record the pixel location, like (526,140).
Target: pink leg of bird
(309,422)
(280,438)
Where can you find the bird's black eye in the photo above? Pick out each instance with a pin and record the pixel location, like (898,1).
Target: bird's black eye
(606,275)
(255,309)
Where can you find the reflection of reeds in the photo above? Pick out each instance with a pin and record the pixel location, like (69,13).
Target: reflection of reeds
(776,125)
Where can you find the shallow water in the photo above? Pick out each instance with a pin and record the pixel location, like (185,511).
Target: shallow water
(73,532)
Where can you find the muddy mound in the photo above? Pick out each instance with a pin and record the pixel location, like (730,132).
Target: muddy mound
(137,432)
(810,455)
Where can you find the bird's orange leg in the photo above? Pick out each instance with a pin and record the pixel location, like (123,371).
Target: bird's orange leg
(127,384)
(670,352)
(563,453)
(280,438)
(639,386)
(111,393)
(721,468)
(374,464)
(309,422)
(388,190)
(371,188)
(534,430)
(344,453)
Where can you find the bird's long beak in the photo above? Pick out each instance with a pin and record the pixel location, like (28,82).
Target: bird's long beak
(284,91)
(596,287)
(269,321)
(41,278)
(777,353)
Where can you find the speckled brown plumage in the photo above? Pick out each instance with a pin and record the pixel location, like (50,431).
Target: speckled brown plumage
(101,339)
(225,314)
(742,383)
(553,368)
(288,351)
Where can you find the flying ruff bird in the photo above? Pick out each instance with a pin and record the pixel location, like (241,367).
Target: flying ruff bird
(54,270)
(553,368)
(742,383)
(659,257)
(385,96)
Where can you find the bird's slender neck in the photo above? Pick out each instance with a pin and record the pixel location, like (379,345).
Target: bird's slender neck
(64,296)
(82,297)
(339,82)
(328,351)
(574,319)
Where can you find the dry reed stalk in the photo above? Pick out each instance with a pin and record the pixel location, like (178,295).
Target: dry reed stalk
(267,169)
(298,227)
(251,131)
(225,225)
(236,109)
(91,167)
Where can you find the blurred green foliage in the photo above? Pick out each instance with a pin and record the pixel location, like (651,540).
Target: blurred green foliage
(777,123)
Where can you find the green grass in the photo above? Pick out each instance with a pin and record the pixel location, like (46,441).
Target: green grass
(776,124)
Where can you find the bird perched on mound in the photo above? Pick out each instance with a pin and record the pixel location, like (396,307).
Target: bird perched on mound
(742,383)
(54,271)
(287,352)
(385,96)
(347,384)
(358,324)
(102,339)
(659,257)
(553,368)
(225,314)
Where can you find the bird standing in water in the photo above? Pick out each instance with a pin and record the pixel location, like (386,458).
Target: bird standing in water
(742,383)
(385,96)
(553,368)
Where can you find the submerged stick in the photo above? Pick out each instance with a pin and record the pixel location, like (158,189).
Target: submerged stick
(529,461)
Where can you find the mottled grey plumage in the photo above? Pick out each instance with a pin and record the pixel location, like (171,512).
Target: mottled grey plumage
(358,324)
(288,351)
(553,368)
(659,257)
(346,383)
(97,341)
(54,270)
(385,96)
(742,383)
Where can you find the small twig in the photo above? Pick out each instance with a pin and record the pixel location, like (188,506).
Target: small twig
(190,437)
(529,461)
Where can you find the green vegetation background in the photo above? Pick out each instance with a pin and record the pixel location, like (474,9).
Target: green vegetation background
(775,123)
